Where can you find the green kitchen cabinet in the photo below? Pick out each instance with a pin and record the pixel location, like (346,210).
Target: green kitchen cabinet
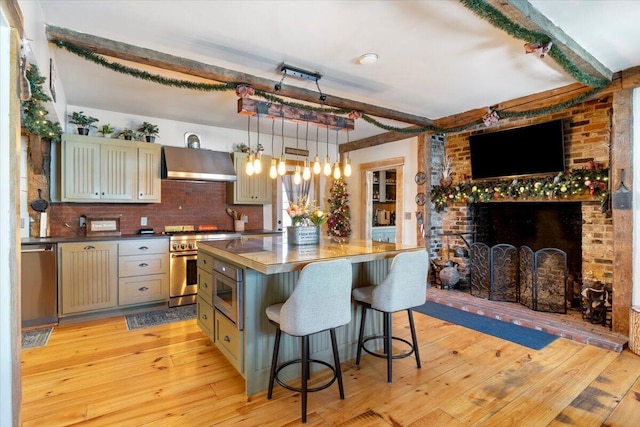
(250,190)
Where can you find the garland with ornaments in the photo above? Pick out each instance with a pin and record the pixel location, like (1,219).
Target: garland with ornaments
(536,41)
(590,181)
(33,112)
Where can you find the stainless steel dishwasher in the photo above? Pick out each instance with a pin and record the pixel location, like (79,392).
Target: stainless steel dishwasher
(39,285)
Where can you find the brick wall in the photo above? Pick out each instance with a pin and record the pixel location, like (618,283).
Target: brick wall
(183,203)
(587,138)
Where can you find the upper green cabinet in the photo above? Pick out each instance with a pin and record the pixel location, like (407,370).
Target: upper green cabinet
(250,190)
(95,169)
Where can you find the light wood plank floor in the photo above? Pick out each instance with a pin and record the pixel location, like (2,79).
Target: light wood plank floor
(99,374)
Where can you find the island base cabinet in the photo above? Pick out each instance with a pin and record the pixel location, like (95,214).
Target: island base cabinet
(142,289)
(205,318)
(228,339)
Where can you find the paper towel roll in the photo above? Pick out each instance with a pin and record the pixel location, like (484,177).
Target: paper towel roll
(44,224)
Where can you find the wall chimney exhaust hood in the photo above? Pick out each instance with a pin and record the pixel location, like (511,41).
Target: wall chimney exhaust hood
(194,164)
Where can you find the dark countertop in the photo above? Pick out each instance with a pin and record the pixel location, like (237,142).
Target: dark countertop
(71,239)
(41,240)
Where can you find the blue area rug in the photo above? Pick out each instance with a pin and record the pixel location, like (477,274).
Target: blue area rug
(36,338)
(508,331)
(154,318)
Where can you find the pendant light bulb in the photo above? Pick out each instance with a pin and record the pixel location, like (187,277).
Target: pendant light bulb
(249,168)
(257,164)
(336,171)
(296,176)
(306,171)
(327,166)
(347,167)
(316,166)
(282,166)
(273,170)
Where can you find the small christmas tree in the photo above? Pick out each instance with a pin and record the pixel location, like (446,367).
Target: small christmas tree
(339,214)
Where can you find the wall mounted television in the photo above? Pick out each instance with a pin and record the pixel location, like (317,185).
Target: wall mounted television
(529,150)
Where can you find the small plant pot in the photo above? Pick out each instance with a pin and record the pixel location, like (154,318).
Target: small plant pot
(83,131)
(128,138)
(150,138)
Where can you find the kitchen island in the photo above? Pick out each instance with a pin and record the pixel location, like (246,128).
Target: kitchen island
(270,269)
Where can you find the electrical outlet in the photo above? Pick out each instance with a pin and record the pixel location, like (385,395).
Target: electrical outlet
(407,215)
(143,221)
(83,221)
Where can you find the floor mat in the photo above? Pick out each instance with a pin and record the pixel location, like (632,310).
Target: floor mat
(154,318)
(531,338)
(36,338)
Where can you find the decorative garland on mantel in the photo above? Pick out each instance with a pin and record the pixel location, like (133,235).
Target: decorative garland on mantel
(577,183)
(479,7)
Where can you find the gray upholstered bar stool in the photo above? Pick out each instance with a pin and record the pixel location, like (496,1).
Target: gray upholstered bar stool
(320,301)
(404,288)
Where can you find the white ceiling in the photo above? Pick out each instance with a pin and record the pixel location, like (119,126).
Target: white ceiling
(436,58)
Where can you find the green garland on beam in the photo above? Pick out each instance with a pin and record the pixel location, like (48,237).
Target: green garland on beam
(498,20)
(186,84)
(144,75)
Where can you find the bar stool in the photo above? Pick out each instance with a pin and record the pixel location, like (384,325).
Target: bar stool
(404,287)
(320,301)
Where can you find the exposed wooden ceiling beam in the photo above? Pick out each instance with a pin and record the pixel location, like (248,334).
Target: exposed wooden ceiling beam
(187,66)
(626,79)
(523,13)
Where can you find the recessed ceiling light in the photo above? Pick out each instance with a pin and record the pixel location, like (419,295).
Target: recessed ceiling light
(368,58)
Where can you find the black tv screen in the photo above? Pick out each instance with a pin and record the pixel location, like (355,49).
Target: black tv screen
(529,150)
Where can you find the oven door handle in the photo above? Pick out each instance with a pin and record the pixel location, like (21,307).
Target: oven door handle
(183,254)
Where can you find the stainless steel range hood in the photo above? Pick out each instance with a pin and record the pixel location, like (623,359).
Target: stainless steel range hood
(196,164)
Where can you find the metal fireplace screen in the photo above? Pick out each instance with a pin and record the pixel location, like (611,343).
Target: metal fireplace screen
(506,273)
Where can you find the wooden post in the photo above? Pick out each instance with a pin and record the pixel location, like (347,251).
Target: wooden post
(634,329)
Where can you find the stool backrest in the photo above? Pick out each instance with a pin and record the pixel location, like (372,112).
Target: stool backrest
(320,300)
(405,285)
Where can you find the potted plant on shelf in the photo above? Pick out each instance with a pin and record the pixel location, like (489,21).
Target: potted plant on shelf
(83,122)
(127,134)
(150,131)
(106,130)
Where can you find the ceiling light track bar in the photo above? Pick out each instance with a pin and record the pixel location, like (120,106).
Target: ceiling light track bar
(288,70)
(270,110)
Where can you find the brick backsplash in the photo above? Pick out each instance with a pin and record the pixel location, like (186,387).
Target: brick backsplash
(183,203)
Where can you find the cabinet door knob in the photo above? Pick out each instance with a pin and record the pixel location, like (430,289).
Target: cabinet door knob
(142,289)
(204,317)
(140,194)
(205,285)
(103,193)
(88,248)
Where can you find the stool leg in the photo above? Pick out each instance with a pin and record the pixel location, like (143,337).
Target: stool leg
(336,361)
(414,338)
(388,343)
(361,335)
(305,375)
(274,363)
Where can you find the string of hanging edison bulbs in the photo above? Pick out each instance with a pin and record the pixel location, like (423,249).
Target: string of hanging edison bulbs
(279,167)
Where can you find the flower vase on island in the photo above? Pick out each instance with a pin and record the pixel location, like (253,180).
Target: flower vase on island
(306,218)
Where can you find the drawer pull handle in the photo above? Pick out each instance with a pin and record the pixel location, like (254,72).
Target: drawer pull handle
(142,289)
(89,247)
(143,248)
(143,264)
(204,261)
(227,339)
(204,317)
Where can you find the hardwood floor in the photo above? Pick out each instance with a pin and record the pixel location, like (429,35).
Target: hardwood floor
(99,374)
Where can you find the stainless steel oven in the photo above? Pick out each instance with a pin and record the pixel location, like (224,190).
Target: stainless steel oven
(183,278)
(228,290)
(183,269)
